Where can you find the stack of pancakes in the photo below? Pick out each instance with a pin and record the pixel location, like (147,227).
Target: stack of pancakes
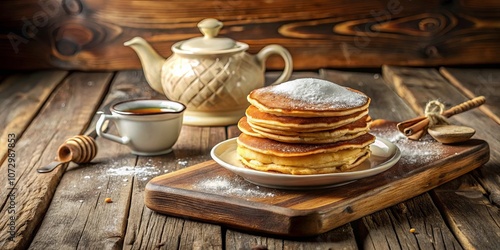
(305,126)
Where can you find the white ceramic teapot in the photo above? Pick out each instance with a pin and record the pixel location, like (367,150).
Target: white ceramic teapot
(211,75)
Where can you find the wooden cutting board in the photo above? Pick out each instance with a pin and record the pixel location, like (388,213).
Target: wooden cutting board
(209,192)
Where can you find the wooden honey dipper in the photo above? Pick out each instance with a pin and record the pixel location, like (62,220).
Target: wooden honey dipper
(79,149)
(415,128)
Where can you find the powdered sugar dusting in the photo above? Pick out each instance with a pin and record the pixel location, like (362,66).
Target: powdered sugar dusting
(320,92)
(234,187)
(137,171)
(413,153)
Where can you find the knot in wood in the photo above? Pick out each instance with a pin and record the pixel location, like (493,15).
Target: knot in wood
(349,210)
(429,24)
(431,51)
(72,7)
(67,47)
(71,37)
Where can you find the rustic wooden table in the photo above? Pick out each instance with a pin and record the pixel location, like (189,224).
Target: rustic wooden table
(66,209)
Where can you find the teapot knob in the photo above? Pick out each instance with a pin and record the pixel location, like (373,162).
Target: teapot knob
(210,27)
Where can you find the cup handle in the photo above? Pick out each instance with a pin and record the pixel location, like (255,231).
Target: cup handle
(111,137)
(280,50)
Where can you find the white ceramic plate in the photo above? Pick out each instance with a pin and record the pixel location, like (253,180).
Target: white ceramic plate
(384,156)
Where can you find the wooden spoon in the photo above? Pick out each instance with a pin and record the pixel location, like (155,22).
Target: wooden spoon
(448,134)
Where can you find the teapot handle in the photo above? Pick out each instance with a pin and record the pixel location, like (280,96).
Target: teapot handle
(280,50)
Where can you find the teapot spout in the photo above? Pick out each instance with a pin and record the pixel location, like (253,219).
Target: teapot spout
(151,61)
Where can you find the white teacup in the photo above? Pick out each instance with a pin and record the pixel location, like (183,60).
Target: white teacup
(147,127)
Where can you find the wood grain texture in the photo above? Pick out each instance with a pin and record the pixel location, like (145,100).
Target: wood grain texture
(21,97)
(81,194)
(88,34)
(424,85)
(121,176)
(192,147)
(478,82)
(466,202)
(61,117)
(418,213)
(296,213)
(395,222)
(339,238)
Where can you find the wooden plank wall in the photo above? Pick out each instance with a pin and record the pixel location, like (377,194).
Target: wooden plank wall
(89,34)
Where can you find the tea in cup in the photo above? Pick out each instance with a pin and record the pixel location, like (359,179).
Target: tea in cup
(147,127)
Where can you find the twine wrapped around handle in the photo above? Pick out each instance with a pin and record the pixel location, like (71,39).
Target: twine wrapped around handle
(415,128)
(433,111)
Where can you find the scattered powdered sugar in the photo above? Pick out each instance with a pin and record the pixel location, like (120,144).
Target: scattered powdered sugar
(420,152)
(182,163)
(137,171)
(235,187)
(320,92)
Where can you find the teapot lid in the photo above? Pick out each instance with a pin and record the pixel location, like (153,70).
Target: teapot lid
(210,28)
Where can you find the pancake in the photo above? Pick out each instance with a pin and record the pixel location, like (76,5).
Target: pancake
(346,132)
(286,169)
(308,97)
(303,124)
(335,136)
(269,155)
(245,128)
(272,147)
(363,122)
